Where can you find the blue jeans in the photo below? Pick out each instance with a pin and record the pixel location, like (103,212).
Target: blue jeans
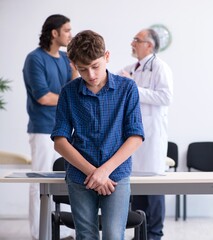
(85,205)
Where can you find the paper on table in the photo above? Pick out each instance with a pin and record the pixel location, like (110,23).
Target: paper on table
(36,175)
(62,174)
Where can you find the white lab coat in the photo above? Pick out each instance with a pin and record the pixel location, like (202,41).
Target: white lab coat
(156,91)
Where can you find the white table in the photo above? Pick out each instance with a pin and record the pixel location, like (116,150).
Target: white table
(170,183)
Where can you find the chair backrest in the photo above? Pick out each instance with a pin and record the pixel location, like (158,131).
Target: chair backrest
(13,158)
(200,156)
(172,152)
(58,165)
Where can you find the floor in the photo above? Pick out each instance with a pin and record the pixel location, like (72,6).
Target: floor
(192,229)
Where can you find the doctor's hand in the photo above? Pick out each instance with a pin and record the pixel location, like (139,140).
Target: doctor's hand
(126,74)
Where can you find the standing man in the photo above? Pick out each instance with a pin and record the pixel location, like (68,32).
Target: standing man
(46,70)
(155,85)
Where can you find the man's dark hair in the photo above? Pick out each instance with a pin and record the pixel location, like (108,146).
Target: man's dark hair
(154,36)
(52,22)
(86,47)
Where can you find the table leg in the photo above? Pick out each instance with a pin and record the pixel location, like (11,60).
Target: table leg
(45,223)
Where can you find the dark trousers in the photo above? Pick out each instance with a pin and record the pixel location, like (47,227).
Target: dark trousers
(154,207)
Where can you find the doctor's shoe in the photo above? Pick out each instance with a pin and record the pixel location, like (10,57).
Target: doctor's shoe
(68,238)
(148,239)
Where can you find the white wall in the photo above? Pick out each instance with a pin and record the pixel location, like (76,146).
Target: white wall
(190,57)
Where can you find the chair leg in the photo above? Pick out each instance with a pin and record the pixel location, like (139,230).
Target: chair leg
(137,233)
(184,207)
(55,227)
(177,207)
(144,230)
(143,227)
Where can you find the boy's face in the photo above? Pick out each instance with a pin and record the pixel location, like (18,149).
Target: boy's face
(95,73)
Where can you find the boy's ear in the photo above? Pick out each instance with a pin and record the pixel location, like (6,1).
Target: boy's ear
(107,55)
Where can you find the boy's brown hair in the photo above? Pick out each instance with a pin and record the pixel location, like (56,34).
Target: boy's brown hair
(86,47)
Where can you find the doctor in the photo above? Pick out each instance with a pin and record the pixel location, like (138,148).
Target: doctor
(154,81)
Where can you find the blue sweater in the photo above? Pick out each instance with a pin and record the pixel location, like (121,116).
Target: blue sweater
(42,74)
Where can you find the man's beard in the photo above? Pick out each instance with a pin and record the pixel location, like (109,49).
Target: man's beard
(134,54)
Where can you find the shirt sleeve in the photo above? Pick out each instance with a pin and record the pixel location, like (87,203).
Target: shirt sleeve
(36,78)
(63,126)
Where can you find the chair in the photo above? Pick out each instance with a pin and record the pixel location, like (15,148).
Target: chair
(136,219)
(172,152)
(13,158)
(199,157)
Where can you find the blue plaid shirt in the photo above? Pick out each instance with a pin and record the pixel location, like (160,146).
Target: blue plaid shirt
(98,124)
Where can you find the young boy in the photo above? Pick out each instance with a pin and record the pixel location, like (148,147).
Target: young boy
(98,127)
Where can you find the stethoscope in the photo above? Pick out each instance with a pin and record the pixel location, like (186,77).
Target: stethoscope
(150,60)
(145,66)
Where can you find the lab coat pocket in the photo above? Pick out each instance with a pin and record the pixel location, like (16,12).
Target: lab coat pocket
(146,83)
